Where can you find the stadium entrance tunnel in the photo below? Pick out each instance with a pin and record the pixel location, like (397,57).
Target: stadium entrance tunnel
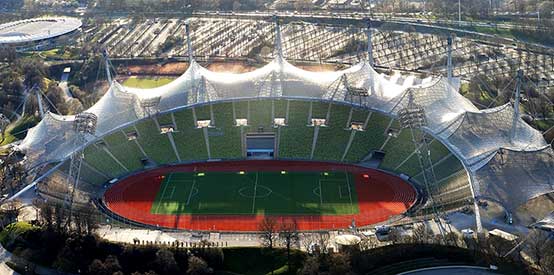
(238,195)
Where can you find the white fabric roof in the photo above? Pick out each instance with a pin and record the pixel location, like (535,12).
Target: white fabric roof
(473,135)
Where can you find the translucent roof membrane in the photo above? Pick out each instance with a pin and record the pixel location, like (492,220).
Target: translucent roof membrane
(513,177)
(475,136)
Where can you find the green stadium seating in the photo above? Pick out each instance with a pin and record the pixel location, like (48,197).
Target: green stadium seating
(295,140)
(225,138)
(332,140)
(156,145)
(241,109)
(260,114)
(412,166)
(280,108)
(101,161)
(86,175)
(92,176)
(398,149)
(126,151)
(372,138)
(203,112)
(189,140)
(319,110)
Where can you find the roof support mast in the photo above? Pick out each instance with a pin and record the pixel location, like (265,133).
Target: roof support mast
(277,88)
(278,41)
(189,41)
(370,59)
(516,103)
(449,68)
(369,43)
(107,64)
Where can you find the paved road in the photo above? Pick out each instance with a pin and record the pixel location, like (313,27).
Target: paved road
(4,257)
(64,87)
(452,270)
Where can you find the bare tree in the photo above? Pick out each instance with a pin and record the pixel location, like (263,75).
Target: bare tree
(454,239)
(268,232)
(421,234)
(288,233)
(9,212)
(395,235)
(319,239)
(369,243)
(90,221)
(12,172)
(197,266)
(540,248)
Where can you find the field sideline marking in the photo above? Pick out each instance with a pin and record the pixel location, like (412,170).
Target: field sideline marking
(172,192)
(320,193)
(163,192)
(349,192)
(254,197)
(190,193)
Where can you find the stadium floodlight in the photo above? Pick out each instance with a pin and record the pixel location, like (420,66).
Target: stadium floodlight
(354,91)
(241,122)
(279,121)
(85,123)
(150,105)
(413,115)
(319,122)
(356,126)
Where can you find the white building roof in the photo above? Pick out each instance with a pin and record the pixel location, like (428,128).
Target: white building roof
(37,29)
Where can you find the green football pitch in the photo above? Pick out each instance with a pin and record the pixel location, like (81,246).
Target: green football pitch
(271,193)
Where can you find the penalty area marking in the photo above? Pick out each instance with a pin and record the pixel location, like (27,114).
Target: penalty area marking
(349,191)
(163,192)
(192,193)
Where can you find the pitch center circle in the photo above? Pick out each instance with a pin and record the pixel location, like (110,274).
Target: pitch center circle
(261,191)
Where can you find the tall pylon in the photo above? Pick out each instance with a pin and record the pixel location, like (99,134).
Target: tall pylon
(83,125)
(370,59)
(412,117)
(189,41)
(449,68)
(278,40)
(517,98)
(369,34)
(107,64)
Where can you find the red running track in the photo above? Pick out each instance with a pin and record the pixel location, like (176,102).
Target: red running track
(380,197)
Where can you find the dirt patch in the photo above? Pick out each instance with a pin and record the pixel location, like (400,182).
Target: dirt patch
(231,67)
(319,67)
(178,68)
(170,69)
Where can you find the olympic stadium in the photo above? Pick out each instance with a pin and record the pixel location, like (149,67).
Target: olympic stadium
(221,151)
(36,32)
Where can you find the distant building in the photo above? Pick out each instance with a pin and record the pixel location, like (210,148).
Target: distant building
(37,33)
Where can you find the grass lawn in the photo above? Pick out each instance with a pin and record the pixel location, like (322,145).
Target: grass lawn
(13,230)
(272,193)
(16,130)
(147,82)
